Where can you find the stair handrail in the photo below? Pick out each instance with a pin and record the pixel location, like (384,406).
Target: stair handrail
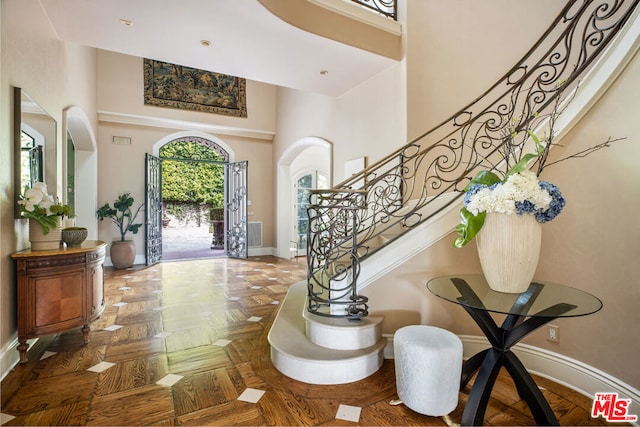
(402,187)
(388,8)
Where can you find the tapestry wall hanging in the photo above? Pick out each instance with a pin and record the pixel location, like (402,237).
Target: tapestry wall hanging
(184,88)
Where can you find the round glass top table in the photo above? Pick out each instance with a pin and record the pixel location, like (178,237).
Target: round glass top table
(525,312)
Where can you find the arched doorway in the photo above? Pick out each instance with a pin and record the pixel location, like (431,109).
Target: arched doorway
(192,183)
(193,170)
(302,183)
(305,155)
(80,165)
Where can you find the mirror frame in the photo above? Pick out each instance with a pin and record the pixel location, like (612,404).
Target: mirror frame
(49,149)
(17,150)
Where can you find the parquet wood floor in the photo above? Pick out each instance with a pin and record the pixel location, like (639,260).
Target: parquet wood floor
(204,323)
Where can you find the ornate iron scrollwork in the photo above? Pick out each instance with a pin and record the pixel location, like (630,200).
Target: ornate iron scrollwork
(333,265)
(236,204)
(388,8)
(409,186)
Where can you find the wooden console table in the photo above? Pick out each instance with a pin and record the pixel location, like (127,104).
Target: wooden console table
(58,290)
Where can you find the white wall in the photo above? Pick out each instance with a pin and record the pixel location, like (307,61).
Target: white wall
(56,75)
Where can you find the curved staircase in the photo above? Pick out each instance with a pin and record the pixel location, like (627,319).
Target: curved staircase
(413,194)
(322,350)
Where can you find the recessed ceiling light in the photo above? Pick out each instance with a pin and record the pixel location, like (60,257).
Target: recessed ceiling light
(323,72)
(126,22)
(205,43)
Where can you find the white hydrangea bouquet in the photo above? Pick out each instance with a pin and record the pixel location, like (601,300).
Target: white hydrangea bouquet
(521,194)
(520,191)
(37,204)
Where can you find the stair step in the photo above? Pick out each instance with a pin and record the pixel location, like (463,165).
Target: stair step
(343,334)
(296,357)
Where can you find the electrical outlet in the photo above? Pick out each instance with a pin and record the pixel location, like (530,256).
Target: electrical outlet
(553,333)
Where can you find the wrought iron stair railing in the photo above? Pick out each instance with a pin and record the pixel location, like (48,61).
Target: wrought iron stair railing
(425,176)
(388,8)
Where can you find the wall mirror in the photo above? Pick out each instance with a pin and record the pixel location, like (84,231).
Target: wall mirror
(34,142)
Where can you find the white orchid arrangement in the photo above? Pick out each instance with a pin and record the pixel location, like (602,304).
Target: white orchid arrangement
(36,203)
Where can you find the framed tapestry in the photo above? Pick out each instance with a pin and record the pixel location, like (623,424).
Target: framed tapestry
(184,88)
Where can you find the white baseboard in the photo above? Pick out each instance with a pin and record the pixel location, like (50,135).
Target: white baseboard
(9,356)
(141,259)
(388,348)
(261,251)
(561,369)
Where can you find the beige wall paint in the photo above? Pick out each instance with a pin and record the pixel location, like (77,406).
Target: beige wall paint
(121,89)
(370,119)
(401,295)
(596,251)
(593,245)
(366,121)
(121,169)
(456,49)
(300,114)
(56,75)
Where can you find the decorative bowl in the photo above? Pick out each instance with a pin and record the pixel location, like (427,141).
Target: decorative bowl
(74,236)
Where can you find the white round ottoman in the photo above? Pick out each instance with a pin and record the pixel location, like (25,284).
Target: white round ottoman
(428,363)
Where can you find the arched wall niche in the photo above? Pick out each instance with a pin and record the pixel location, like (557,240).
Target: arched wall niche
(285,185)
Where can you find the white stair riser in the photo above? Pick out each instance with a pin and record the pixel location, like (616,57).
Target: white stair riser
(293,354)
(343,338)
(328,372)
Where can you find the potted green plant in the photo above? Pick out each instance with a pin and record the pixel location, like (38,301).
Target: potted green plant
(123,252)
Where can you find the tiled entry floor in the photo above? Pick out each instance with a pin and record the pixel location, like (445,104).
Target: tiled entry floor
(185,343)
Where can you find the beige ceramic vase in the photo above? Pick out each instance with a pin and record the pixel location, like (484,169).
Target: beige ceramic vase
(509,248)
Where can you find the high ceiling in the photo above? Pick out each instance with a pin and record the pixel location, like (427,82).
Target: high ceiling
(246,40)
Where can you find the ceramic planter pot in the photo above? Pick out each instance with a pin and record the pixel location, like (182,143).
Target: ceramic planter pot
(41,241)
(123,253)
(74,236)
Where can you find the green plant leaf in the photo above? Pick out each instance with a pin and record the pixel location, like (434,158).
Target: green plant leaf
(522,165)
(469,226)
(121,214)
(484,177)
(134,228)
(124,202)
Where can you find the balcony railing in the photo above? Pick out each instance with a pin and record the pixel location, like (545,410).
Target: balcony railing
(419,180)
(388,8)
